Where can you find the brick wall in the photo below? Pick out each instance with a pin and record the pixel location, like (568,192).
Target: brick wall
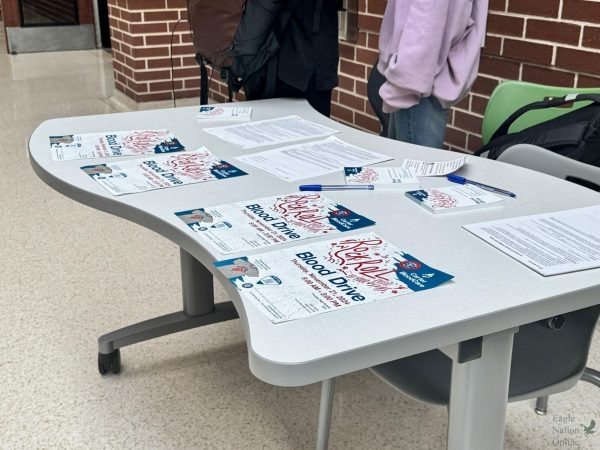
(350,104)
(544,41)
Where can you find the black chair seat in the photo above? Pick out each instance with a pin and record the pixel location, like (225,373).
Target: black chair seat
(542,357)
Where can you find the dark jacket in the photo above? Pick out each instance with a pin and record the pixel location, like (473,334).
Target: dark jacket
(302,33)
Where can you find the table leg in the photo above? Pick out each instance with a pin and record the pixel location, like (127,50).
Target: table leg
(479,394)
(325,410)
(199,309)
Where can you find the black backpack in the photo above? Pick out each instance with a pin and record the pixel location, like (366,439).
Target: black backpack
(575,135)
(215,25)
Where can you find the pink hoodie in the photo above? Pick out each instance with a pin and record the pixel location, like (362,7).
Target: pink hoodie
(430,47)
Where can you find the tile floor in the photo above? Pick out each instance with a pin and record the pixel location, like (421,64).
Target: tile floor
(70,273)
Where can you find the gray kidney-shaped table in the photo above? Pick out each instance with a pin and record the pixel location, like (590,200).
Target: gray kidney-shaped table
(489,298)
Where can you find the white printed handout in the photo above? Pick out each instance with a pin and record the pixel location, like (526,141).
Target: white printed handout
(267,221)
(162,171)
(454,198)
(220,112)
(433,168)
(311,159)
(397,177)
(116,143)
(551,243)
(319,277)
(272,131)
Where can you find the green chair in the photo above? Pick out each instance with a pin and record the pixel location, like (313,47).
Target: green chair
(510,96)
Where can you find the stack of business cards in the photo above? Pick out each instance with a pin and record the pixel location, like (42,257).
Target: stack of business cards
(397,177)
(454,198)
(220,112)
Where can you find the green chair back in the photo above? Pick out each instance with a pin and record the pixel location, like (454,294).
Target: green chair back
(511,95)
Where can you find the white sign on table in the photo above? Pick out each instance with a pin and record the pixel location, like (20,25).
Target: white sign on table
(270,132)
(311,159)
(551,243)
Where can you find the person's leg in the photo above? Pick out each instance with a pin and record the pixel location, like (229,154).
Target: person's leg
(282,89)
(254,88)
(320,100)
(422,124)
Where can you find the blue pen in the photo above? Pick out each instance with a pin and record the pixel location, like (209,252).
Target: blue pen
(463,180)
(336,187)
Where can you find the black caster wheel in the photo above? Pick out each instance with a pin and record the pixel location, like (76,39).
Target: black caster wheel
(109,362)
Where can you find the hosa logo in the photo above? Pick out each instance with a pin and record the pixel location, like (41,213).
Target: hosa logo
(410,265)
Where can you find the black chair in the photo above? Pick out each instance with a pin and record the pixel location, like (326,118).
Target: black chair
(506,98)
(374,82)
(548,357)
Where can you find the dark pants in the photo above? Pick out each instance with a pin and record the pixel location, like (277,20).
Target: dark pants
(319,100)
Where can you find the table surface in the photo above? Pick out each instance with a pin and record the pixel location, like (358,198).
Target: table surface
(491,292)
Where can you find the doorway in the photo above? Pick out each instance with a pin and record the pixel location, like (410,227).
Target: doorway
(48,25)
(103,23)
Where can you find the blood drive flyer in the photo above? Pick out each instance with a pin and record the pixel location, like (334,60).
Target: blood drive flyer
(115,143)
(263,222)
(318,277)
(162,171)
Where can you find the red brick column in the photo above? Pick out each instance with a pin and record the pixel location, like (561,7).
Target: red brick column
(147,36)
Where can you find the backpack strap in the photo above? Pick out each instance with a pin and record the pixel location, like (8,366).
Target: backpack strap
(546,103)
(203,79)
